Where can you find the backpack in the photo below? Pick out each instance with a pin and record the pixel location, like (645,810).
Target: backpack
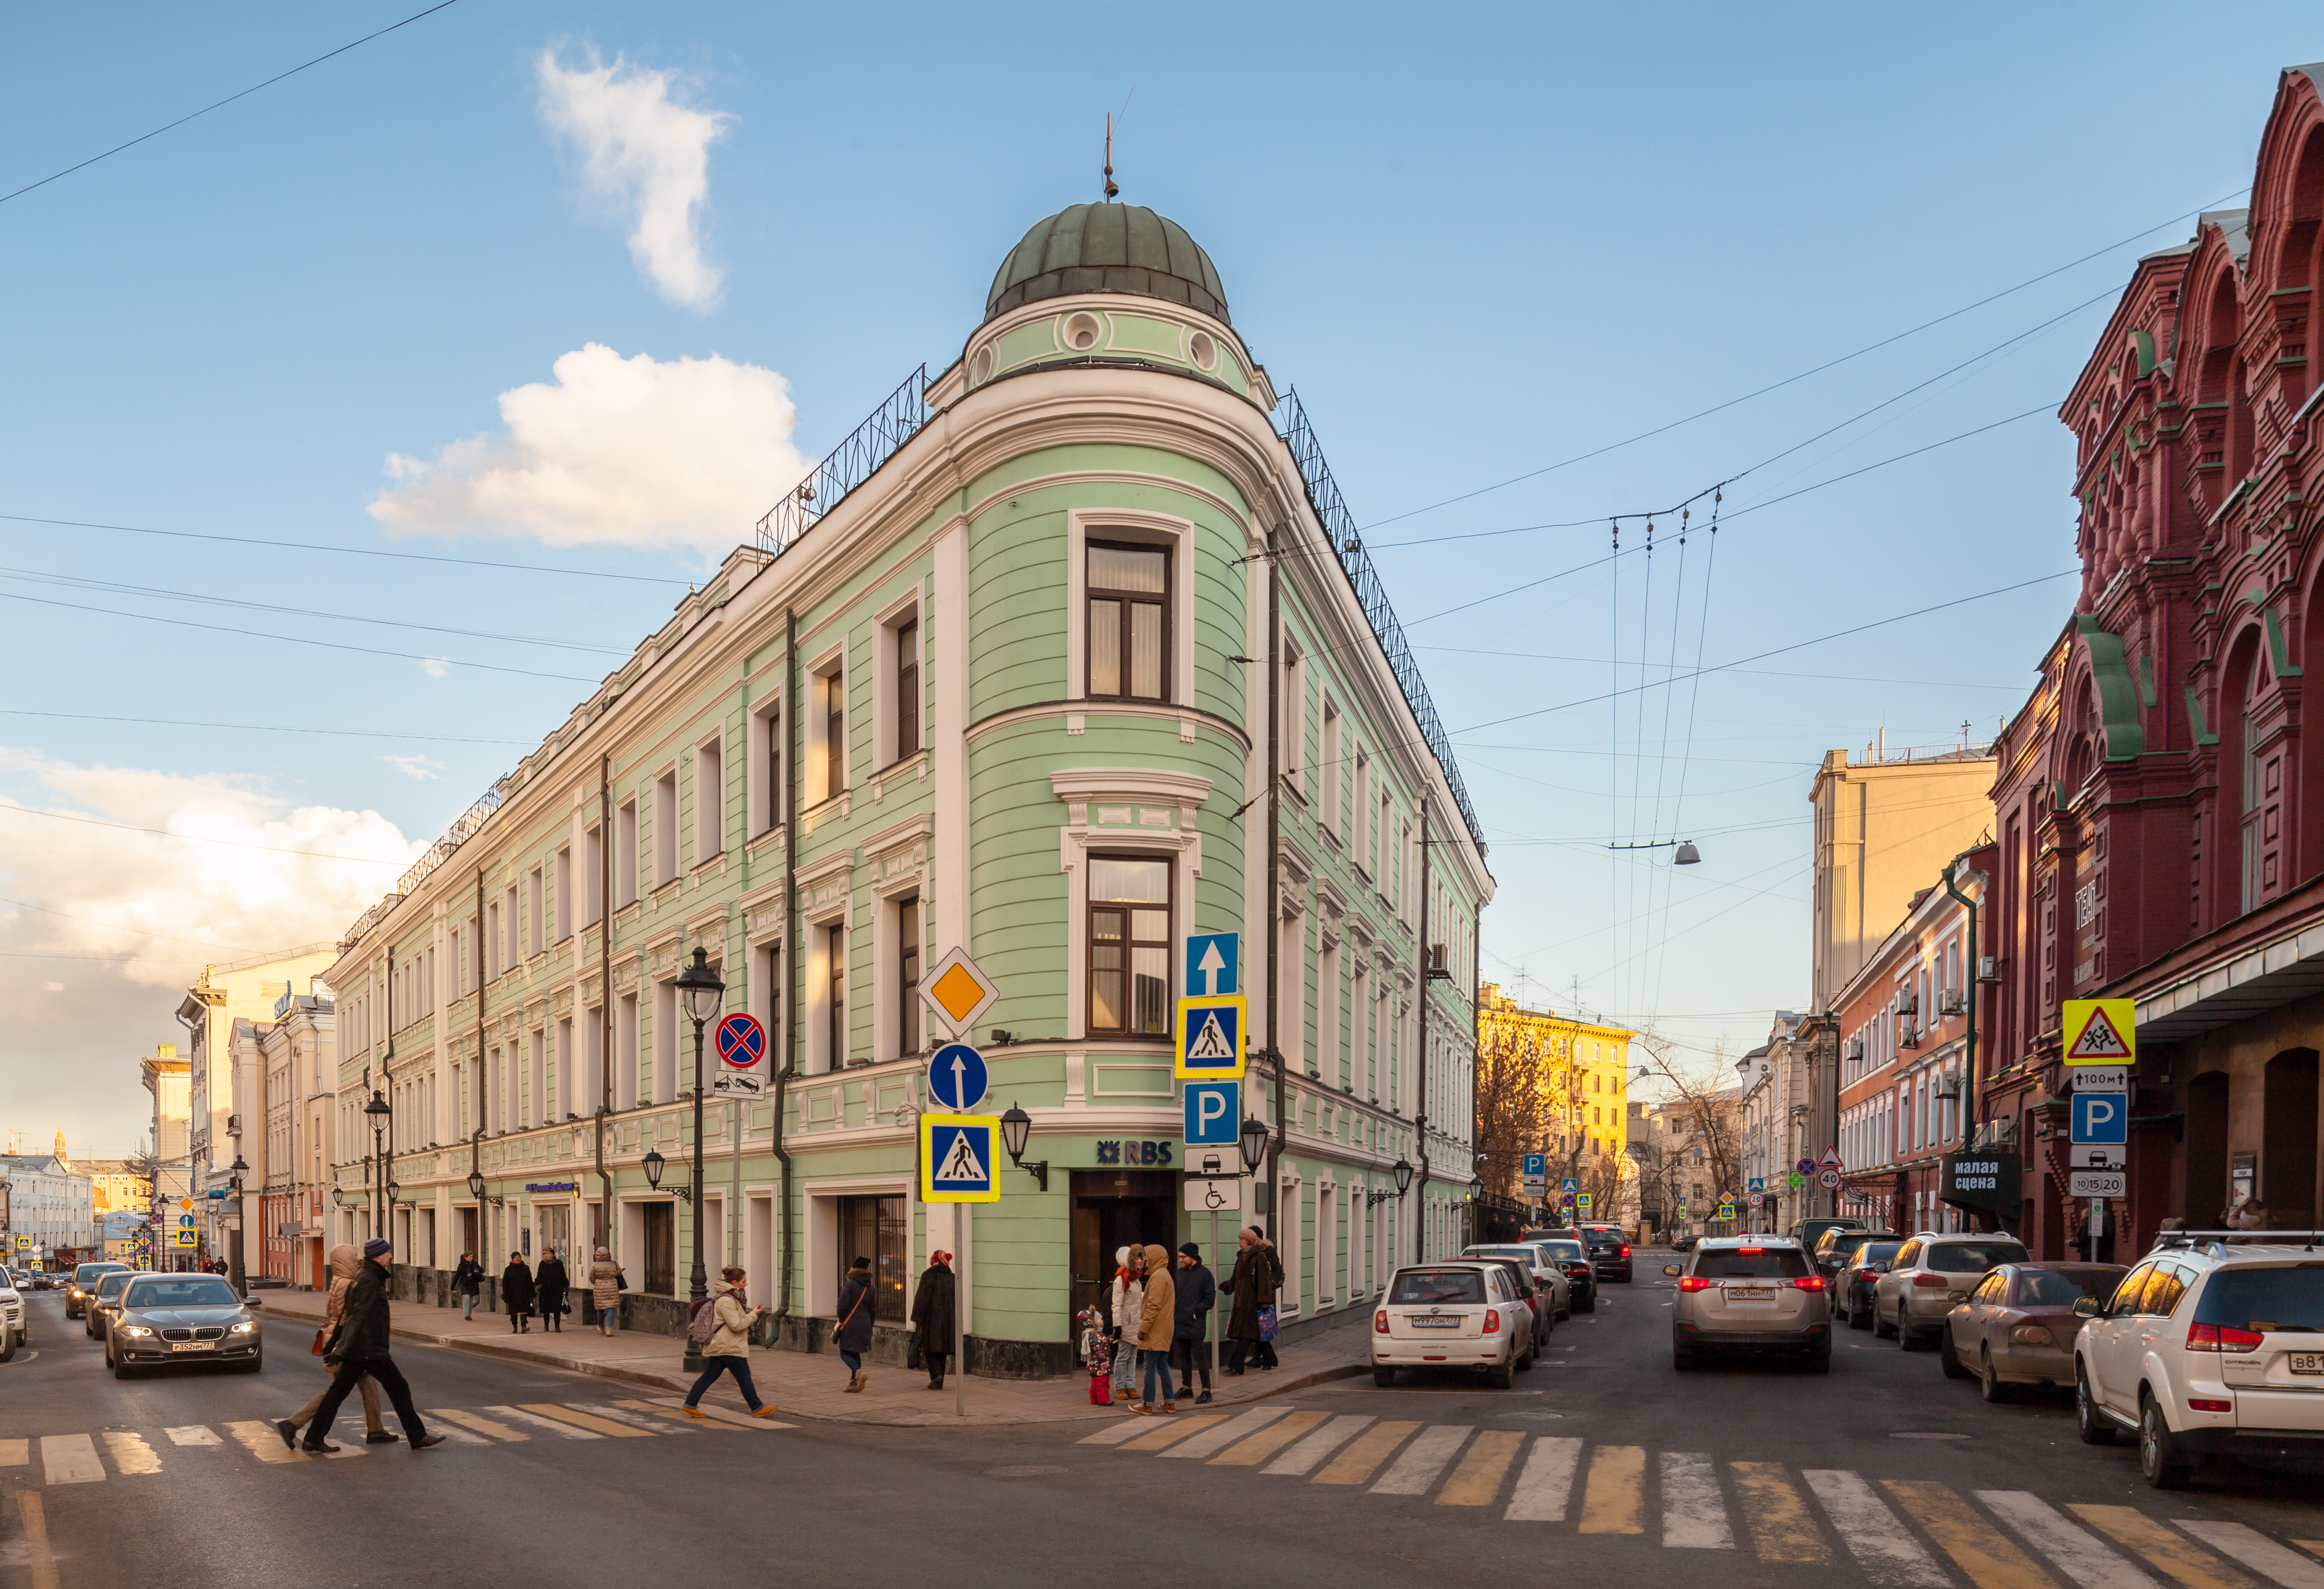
(704,1324)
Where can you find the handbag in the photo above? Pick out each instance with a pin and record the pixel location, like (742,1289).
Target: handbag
(912,1350)
(322,1339)
(1267,1322)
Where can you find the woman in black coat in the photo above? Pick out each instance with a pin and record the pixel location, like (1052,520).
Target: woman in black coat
(516,1294)
(932,1316)
(857,1305)
(553,1283)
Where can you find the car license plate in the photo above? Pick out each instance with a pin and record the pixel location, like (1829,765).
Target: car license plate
(1432,1321)
(1750,1293)
(193,1345)
(2306,1362)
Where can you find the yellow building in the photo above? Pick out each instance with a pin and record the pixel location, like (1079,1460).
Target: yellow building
(1585,1087)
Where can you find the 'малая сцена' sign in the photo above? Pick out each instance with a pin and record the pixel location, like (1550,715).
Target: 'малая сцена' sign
(1982,1180)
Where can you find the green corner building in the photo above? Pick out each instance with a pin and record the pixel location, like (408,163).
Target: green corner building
(1042,663)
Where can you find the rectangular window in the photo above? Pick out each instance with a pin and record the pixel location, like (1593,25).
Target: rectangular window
(1291,743)
(592,886)
(908,689)
(659,1229)
(834,1007)
(1128,946)
(766,730)
(627,1088)
(593,1063)
(1128,611)
(665,827)
(876,1228)
(564,892)
(535,915)
(907,976)
(770,1000)
(625,854)
(1362,802)
(664,1043)
(1327,767)
(536,1100)
(709,800)
(561,1094)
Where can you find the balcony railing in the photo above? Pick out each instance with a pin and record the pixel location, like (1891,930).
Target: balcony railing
(464,828)
(848,465)
(1371,593)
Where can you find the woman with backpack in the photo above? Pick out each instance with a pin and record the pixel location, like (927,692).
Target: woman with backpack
(726,1345)
(606,1289)
(854,1334)
(516,1294)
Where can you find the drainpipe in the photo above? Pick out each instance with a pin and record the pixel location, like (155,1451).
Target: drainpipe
(605,983)
(1420,1097)
(477,1137)
(1969,963)
(790,953)
(1274,876)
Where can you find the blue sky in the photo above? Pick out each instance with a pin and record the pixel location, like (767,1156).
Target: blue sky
(1477,242)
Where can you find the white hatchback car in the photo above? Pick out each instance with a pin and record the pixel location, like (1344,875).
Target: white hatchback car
(1458,1314)
(2207,1347)
(12,1319)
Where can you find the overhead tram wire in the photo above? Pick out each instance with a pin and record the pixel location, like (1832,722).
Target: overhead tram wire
(1804,374)
(264,727)
(229,99)
(351,552)
(196,839)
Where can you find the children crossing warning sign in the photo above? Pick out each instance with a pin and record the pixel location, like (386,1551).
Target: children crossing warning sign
(1211,1037)
(2101,1031)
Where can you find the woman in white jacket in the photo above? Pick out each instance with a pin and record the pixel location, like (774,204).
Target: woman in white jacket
(1128,1301)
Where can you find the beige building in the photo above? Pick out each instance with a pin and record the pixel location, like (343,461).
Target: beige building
(169,1080)
(1884,826)
(116,1187)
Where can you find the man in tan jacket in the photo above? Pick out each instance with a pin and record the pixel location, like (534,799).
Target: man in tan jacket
(1158,1321)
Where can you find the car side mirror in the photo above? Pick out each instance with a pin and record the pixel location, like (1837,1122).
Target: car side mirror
(1670,1269)
(254,1302)
(2086,1307)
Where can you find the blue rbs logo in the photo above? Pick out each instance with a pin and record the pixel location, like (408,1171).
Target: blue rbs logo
(1125,1153)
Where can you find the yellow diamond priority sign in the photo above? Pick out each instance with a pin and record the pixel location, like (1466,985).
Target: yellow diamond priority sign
(2101,1031)
(958,991)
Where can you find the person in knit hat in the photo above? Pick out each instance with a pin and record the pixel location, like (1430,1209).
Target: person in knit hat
(1198,1293)
(932,1315)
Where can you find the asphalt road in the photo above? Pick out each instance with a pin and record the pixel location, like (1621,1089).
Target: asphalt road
(1761,1475)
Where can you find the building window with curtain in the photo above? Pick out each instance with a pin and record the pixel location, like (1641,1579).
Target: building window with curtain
(1128,946)
(907,689)
(835,1007)
(1129,629)
(908,975)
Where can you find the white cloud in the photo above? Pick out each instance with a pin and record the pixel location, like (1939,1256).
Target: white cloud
(627,452)
(52,987)
(435,666)
(419,768)
(643,151)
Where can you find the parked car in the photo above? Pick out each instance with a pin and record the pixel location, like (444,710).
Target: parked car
(104,1302)
(1545,1308)
(1832,1249)
(1932,1275)
(1755,1294)
(2204,1349)
(1610,1250)
(1549,1283)
(1852,1287)
(1554,1233)
(166,1318)
(2018,1325)
(1573,1259)
(1465,1314)
(84,1281)
(1683,1243)
(1809,1231)
(12,1319)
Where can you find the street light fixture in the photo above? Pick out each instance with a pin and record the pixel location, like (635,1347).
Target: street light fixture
(338,1196)
(380,1112)
(1253,1142)
(476,1185)
(1402,1171)
(702,994)
(1016,1125)
(654,1163)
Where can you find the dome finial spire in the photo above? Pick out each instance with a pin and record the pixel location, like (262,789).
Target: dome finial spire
(1112,189)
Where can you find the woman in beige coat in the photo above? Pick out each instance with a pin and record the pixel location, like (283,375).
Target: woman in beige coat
(344,1263)
(1156,1323)
(606,1291)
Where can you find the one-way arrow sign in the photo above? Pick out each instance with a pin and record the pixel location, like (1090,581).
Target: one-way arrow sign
(1214,962)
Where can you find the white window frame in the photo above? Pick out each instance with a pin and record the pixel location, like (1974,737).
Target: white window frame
(710,813)
(1084,788)
(765,779)
(831,664)
(904,609)
(1328,770)
(564,907)
(1131,527)
(665,827)
(625,853)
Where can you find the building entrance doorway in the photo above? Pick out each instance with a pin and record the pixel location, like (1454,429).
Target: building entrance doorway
(1116,1209)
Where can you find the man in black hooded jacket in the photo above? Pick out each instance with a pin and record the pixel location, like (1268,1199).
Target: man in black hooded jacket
(361,1348)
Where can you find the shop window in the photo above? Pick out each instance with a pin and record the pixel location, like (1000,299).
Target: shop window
(875,1228)
(1128,946)
(660,1228)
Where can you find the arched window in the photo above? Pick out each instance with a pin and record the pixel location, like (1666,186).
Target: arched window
(2219,395)
(2251,774)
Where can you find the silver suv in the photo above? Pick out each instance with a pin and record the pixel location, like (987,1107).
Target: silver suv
(2207,1347)
(1930,1276)
(1749,1294)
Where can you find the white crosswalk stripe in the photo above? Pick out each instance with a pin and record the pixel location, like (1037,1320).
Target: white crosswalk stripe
(1547,1481)
(1414,1471)
(2087,1562)
(1695,1517)
(193,1435)
(1302,1457)
(70,1459)
(1219,1436)
(2257,1551)
(1115,1434)
(520,1416)
(1881,1544)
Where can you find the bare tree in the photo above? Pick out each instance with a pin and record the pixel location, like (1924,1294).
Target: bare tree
(140,1162)
(1520,1092)
(1705,1110)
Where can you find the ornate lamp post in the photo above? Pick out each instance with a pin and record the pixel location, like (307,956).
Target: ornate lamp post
(379,1111)
(701,991)
(237,1170)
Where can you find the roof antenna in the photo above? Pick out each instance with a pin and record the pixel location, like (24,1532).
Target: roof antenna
(1112,187)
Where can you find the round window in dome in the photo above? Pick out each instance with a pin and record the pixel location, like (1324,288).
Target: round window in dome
(1204,350)
(980,365)
(1083,331)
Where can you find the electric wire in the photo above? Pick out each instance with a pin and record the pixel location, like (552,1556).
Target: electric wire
(261,727)
(196,839)
(118,927)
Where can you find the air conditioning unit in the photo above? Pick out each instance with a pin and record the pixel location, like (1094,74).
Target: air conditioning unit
(1953,1001)
(1436,970)
(233,1125)
(1855,1050)
(1908,1002)
(1949,1084)
(1989,969)
(1908,1036)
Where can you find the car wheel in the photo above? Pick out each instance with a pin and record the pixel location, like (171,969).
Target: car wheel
(1385,1378)
(1880,1332)
(2089,1422)
(1950,1359)
(1525,1364)
(1989,1381)
(1592,1305)
(2161,1460)
(8,1349)
(1500,1378)
(1908,1339)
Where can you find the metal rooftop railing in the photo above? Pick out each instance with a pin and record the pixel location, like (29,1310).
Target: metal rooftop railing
(1371,593)
(848,465)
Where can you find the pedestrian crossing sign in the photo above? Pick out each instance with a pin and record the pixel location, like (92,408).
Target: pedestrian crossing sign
(2101,1031)
(956,1159)
(1211,1029)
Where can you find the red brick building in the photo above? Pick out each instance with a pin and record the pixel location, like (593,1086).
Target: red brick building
(2159,822)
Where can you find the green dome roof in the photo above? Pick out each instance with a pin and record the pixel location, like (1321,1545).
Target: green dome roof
(1108,248)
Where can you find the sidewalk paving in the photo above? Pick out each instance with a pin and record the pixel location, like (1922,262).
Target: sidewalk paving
(806,1384)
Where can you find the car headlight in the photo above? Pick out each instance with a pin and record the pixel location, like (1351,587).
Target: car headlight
(246,1326)
(75,1293)
(135,1329)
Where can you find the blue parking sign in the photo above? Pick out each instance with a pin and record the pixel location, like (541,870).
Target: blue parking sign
(1537,1167)
(2101,1117)
(1213,1114)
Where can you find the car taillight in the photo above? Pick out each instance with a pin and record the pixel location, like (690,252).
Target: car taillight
(2031,1335)
(1492,1321)
(1626,1252)
(2195,1406)
(2214,1338)
(1379,1322)
(1693,1282)
(1750,1249)
(1938,1280)
(1813,1282)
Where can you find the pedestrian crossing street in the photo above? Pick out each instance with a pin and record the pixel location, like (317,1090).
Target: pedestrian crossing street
(93,1459)
(1913,1532)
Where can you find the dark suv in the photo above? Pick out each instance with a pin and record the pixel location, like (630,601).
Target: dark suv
(1836,1246)
(1610,1252)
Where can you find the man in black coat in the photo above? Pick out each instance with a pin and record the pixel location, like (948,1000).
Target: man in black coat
(1198,1293)
(360,1348)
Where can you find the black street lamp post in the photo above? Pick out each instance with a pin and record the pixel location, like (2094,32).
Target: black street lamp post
(241,1223)
(703,994)
(379,1111)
